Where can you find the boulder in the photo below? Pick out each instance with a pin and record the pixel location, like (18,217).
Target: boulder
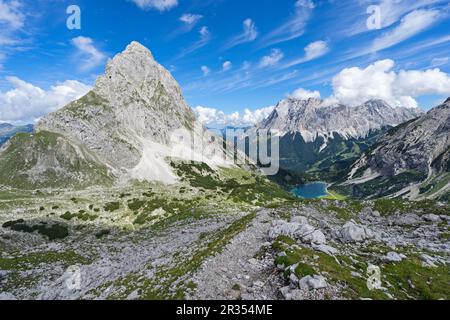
(351,233)
(304,232)
(283,228)
(317,237)
(409,219)
(312,283)
(431,218)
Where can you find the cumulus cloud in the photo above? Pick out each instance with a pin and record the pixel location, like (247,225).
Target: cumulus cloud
(215,117)
(249,34)
(160,5)
(205,70)
(275,56)
(410,25)
(354,86)
(226,65)
(25,103)
(304,94)
(91,57)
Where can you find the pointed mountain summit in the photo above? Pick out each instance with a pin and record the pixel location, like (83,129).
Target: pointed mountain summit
(125,125)
(135,99)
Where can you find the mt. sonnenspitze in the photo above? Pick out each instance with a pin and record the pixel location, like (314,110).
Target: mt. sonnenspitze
(123,128)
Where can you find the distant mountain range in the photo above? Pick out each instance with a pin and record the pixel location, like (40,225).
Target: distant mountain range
(321,142)
(7,131)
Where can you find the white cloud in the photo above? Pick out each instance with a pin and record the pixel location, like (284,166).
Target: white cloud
(227,65)
(256,116)
(91,56)
(393,11)
(304,94)
(25,103)
(249,34)
(190,19)
(215,117)
(437,62)
(354,86)
(205,70)
(275,56)
(161,5)
(12,19)
(204,38)
(315,50)
(411,25)
(10,14)
(293,27)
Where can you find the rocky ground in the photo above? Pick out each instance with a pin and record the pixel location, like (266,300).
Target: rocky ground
(314,251)
(143,243)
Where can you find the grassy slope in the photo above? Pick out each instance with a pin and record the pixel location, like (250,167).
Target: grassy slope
(45,159)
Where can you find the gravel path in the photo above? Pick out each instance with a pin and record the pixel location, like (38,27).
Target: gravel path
(244,269)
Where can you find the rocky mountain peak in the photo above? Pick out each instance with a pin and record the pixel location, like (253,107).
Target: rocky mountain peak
(447,101)
(312,119)
(377,103)
(129,117)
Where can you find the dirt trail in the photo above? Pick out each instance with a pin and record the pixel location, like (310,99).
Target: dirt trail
(244,269)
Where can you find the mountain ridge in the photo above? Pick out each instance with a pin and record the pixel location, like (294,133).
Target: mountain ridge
(416,152)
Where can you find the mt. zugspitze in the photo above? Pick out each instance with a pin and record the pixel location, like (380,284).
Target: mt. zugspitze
(312,119)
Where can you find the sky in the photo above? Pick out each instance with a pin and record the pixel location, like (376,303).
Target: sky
(234,59)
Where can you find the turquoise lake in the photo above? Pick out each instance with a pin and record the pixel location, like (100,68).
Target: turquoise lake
(312,190)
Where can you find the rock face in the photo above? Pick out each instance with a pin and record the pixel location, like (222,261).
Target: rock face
(312,119)
(411,160)
(133,120)
(316,138)
(135,98)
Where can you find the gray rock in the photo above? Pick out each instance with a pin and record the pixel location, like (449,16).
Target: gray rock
(317,237)
(352,232)
(392,257)
(407,220)
(428,261)
(431,218)
(312,283)
(325,249)
(5,296)
(300,220)
(283,228)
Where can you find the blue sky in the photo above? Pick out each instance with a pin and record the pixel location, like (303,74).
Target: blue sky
(230,55)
